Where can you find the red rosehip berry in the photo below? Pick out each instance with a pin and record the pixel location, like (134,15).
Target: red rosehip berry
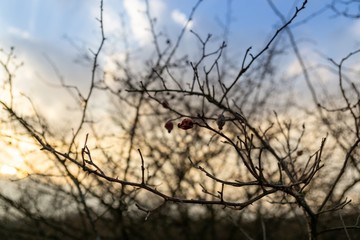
(186,124)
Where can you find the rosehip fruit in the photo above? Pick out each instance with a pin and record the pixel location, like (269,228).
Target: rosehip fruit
(186,124)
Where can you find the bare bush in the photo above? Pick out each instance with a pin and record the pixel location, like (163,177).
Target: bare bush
(187,139)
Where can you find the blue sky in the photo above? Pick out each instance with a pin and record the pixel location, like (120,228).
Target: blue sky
(43,27)
(48,21)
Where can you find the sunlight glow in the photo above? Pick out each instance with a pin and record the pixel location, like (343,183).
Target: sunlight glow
(7,170)
(12,154)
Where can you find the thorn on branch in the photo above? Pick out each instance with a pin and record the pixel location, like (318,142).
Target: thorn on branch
(149,211)
(142,168)
(86,151)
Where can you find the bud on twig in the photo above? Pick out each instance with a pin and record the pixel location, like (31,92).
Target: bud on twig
(165,104)
(220,121)
(169,126)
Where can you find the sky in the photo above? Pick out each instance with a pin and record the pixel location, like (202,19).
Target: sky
(61,31)
(58,28)
(48,23)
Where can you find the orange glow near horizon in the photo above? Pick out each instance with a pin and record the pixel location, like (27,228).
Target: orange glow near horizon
(10,163)
(7,170)
(12,154)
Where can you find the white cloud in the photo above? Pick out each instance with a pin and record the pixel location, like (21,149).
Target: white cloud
(111,67)
(355,29)
(111,16)
(293,68)
(157,7)
(139,23)
(180,18)
(19,33)
(112,21)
